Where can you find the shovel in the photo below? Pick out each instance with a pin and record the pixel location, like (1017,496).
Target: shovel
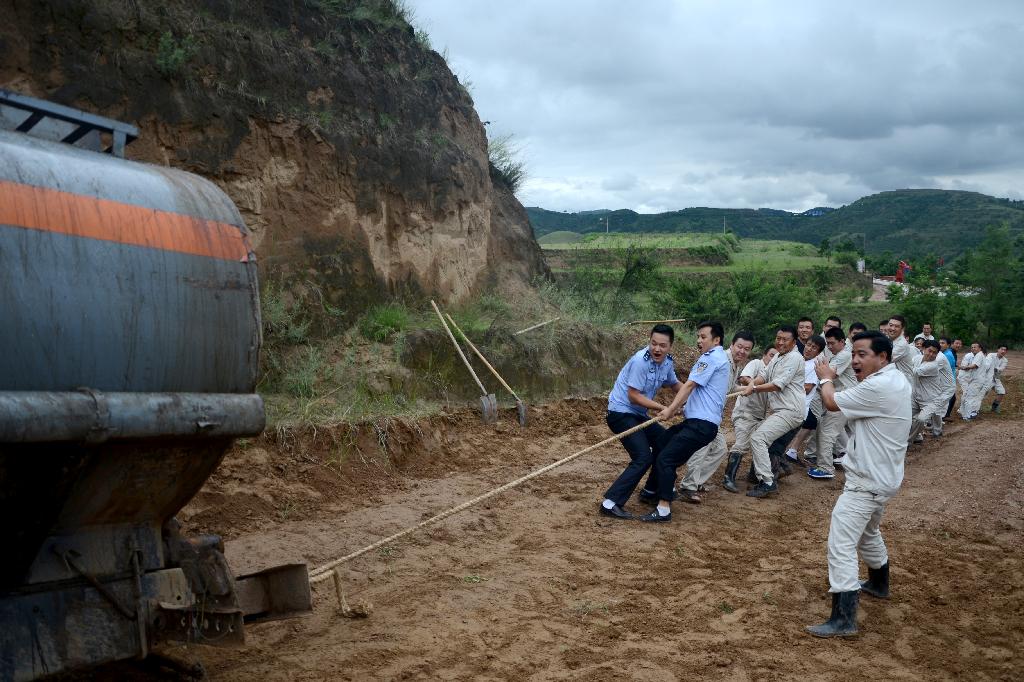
(488,403)
(520,405)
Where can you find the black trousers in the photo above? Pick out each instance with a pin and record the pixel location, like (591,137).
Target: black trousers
(642,447)
(952,401)
(676,448)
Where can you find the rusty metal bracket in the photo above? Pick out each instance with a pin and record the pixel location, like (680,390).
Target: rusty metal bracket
(69,557)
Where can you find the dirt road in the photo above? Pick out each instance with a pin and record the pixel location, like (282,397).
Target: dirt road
(536,585)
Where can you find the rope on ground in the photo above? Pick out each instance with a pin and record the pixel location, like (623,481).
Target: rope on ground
(326,572)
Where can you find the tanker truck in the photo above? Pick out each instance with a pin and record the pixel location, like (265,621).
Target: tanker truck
(129,343)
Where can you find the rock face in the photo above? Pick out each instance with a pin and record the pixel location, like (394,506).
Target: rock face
(355,156)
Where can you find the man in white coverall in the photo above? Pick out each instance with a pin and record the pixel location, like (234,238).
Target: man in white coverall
(968,370)
(783,379)
(705,461)
(878,412)
(933,386)
(981,368)
(832,424)
(997,377)
(747,415)
(903,353)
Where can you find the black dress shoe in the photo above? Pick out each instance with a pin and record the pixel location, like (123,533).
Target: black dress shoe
(616,512)
(655,517)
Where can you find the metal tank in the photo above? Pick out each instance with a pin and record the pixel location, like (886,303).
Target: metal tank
(129,342)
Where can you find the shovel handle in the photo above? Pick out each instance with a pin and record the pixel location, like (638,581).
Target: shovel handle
(482,358)
(459,349)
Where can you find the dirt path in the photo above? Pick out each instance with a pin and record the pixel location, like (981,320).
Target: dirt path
(536,585)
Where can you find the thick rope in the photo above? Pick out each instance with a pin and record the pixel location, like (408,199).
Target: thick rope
(324,572)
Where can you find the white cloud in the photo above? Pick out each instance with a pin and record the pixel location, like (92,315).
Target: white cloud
(662,105)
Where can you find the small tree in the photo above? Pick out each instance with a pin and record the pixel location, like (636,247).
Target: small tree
(825,249)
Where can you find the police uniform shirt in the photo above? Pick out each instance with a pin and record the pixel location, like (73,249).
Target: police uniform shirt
(877,411)
(786,370)
(711,374)
(645,375)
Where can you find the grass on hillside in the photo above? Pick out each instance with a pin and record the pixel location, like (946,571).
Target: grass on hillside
(763,254)
(621,240)
(560,239)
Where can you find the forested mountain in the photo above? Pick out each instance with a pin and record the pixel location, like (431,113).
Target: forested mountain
(907,222)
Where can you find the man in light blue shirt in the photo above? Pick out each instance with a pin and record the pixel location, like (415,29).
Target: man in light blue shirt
(704,397)
(648,370)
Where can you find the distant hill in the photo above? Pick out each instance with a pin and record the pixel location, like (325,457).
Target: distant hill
(908,222)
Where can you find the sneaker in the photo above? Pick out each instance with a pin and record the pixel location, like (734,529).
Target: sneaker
(819,473)
(919,439)
(764,489)
(791,455)
(655,517)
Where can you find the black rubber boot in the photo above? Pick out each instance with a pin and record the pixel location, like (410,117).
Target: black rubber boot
(877,584)
(729,482)
(843,622)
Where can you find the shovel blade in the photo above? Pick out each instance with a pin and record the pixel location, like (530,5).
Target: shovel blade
(489,408)
(521,407)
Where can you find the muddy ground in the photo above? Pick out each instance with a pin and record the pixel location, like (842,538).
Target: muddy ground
(535,585)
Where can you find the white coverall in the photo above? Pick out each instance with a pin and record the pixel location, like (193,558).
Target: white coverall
(749,411)
(703,464)
(981,382)
(997,374)
(933,387)
(831,423)
(878,412)
(786,370)
(903,357)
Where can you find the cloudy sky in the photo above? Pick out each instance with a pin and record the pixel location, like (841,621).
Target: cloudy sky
(660,105)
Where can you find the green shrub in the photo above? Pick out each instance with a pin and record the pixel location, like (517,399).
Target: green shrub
(381,322)
(506,162)
(303,371)
(171,54)
(750,299)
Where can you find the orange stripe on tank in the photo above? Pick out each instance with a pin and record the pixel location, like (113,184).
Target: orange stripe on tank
(51,210)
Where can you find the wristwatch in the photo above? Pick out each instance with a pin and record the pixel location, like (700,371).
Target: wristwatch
(822,382)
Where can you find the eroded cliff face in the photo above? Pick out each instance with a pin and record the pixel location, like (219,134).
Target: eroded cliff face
(354,154)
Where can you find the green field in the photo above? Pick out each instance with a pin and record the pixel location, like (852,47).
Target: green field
(560,240)
(763,254)
(622,240)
